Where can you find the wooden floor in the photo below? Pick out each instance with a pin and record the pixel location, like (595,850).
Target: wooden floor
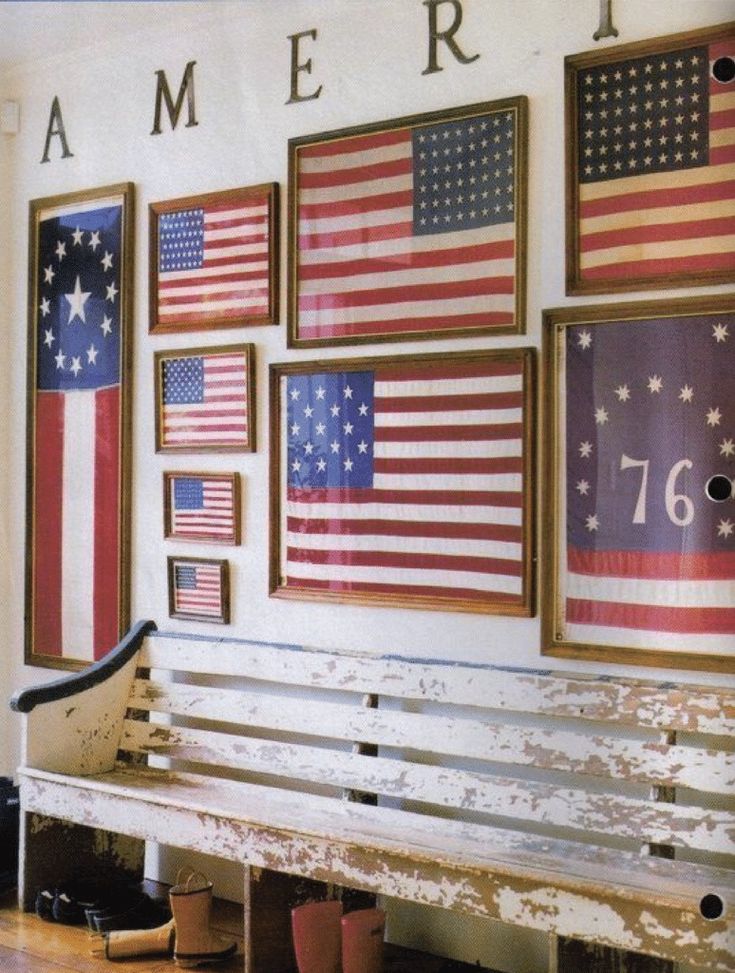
(31,945)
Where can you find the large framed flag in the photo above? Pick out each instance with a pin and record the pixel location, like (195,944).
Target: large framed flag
(651,163)
(639,496)
(205,399)
(405,481)
(203,507)
(199,588)
(78,440)
(214,260)
(411,228)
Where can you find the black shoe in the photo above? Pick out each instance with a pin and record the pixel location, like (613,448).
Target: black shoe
(45,905)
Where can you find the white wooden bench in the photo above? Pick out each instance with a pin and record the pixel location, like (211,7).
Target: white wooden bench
(597,808)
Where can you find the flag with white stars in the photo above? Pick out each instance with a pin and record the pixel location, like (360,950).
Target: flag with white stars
(654,164)
(205,399)
(411,228)
(215,259)
(77,491)
(405,482)
(650,461)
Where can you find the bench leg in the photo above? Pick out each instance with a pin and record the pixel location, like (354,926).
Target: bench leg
(54,852)
(575,956)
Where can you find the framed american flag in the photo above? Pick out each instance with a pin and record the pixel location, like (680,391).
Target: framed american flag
(405,481)
(214,260)
(199,588)
(410,228)
(202,507)
(651,163)
(78,439)
(639,518)
(205,399)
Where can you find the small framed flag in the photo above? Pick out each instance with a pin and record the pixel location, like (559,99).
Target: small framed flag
(78,446)
(411,228)
(214,260)
(639,471)
(405,481)
(199,588)
(651,163)
(202,507)
(205,399)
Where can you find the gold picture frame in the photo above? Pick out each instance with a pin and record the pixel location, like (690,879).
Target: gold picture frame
(405,481)
(411,228)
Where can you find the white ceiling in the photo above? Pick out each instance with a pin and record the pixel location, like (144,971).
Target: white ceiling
(32,29)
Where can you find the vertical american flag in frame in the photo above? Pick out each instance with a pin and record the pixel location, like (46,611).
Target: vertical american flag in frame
(410,228)
(78,439)
(405,481)
(202,507)
(651,163)
(199,588)
(214,260)
(640,463)
(205,399)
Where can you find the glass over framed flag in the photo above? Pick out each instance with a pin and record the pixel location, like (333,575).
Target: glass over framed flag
(78,440)
(214,260)
(650,163)
(405,481)
(410,228)
(203,507)
(639,468)
(199,588)
(205,399)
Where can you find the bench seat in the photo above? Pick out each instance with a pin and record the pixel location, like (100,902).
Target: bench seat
(477,789)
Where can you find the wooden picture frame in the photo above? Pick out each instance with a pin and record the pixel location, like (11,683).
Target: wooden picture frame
(199,589)
(80,303)
(650,160)
(214,260)
(205,399)
(410,228)
(639,466)
(201,507)
(405,481)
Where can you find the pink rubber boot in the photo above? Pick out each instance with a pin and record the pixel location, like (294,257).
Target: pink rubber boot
(362,941)
(316,936)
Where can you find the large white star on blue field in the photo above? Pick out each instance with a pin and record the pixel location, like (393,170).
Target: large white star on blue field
(77,299)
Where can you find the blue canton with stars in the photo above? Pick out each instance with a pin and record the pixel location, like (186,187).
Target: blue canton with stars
(464,173)
(188,493)
(330,432)
(647,114)
(78,310)
(181,240)
(649,423)
(183,380)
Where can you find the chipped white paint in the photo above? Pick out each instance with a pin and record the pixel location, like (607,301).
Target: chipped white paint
(569,915)
(620,701)
(522,796)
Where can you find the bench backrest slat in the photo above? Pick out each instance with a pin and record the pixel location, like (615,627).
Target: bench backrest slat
(641,821)
(691,708)
(573,755)
(560,750)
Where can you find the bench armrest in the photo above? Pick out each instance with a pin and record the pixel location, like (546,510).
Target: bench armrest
(26,700)
(73,725)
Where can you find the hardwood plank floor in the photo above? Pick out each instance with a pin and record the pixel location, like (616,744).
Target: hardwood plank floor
(31,945)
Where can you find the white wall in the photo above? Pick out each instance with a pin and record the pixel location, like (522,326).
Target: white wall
(369,56)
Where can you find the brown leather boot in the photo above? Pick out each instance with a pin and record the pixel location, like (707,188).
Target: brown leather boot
(191,905)
(316,936)
(362,941)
